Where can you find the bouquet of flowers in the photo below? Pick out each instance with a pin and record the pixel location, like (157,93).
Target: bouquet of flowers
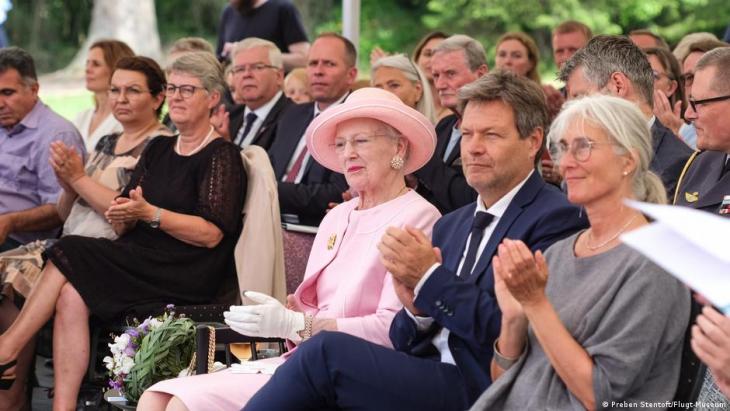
(151,351)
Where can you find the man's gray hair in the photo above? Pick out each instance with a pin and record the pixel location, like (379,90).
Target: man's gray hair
(473,50)
(523,95)
(605,55)
(253,42)
(203,66)
(718,58)
(21,61)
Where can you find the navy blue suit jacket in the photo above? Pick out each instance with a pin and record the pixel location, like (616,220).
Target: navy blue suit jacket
(670,155)
(319,186)
(441,182)
(539,215)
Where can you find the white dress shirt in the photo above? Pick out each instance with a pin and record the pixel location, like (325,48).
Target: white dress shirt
(261,114)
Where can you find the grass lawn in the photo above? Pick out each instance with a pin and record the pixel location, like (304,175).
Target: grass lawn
(68,103)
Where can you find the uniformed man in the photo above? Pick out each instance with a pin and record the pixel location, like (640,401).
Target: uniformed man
(705,180)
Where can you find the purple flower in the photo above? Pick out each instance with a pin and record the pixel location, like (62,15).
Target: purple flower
(132,332)
(130,350)
(145,326)
(116,385)
(170,306)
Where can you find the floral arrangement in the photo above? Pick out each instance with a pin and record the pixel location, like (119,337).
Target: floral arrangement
(151,351)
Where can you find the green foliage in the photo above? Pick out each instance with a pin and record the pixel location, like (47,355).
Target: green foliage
(486,20)
(184,18)
(51,30)
(163,353)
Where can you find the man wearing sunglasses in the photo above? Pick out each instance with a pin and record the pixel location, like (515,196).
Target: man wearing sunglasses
(706,180)
(616,66)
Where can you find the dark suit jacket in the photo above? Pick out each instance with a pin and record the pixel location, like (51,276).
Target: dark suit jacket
(539,215)
(670,155)
(702,187)
(441,182)
(319,186)
(265,135)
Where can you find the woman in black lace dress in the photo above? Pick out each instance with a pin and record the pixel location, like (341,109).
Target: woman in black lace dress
(178,219)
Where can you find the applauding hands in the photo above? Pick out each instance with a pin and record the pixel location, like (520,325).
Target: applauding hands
(67,164)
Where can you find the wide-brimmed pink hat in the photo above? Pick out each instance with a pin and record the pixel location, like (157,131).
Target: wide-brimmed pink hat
(377,104)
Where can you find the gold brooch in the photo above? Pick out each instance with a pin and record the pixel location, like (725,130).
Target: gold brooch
(691,197)
(331,242)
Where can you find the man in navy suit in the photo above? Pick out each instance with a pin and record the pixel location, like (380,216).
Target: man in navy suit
(457,61)
(305,187)
(444,336)
(614,65)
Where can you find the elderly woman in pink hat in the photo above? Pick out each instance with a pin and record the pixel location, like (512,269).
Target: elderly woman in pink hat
(374,140)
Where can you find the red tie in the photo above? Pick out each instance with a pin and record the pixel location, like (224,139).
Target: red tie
(291,176)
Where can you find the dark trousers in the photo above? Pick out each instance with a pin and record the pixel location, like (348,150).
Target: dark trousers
(9,244)
(338,371)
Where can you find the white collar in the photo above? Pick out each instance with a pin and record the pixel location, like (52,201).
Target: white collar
(264,110)
(339,101)
(498,208)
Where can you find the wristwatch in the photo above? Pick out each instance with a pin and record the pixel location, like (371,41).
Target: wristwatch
(155,222)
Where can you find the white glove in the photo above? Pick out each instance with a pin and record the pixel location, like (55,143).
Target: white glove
(269,318)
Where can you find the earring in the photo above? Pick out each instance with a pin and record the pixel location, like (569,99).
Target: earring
(396,163)
(625,173)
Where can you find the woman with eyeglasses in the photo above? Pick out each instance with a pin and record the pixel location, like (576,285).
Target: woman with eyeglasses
(88,190)
(374,140)
(98,121)
(402,77)
(592,323)
(178,220)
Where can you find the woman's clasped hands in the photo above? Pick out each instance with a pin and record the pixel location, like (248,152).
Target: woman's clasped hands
(267,318)
(66,163)
(124,212)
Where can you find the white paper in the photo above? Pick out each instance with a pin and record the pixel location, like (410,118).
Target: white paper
(706,230)
(255,367)
(298,228)
(691,245)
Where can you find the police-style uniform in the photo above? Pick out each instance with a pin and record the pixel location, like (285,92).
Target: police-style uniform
(703,185)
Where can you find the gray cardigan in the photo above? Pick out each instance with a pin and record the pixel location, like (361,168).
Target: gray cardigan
(626,312)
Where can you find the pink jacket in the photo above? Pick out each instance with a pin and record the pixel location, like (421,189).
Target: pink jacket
(361,296)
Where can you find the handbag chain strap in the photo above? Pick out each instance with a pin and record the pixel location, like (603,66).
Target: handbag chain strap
(211,348)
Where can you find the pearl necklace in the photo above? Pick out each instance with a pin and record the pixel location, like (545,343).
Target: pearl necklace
(615,236)
(196,149)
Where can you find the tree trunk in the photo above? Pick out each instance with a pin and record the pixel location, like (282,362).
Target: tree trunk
(133,22)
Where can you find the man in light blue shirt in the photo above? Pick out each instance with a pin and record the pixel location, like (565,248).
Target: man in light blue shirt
(28,186)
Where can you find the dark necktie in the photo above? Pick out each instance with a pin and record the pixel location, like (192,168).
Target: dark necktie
(481,221)
(291,176)
(243,131)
